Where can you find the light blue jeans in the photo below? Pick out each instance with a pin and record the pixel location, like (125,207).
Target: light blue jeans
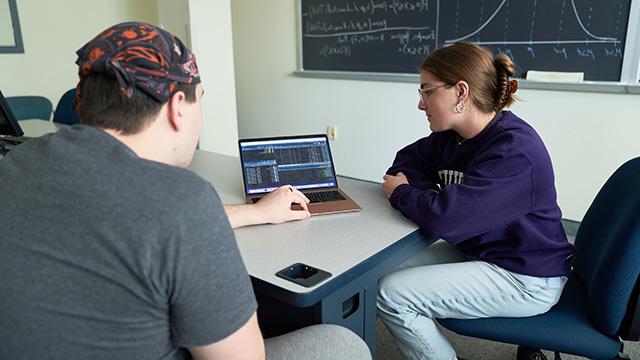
(440,282)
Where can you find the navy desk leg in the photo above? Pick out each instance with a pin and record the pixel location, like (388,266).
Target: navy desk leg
(353,307)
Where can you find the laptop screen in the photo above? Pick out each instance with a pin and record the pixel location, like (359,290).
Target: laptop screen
(302,161)
(8,123)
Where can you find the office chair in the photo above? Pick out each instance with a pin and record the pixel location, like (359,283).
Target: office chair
(599,305)
(65,112)
(30,107)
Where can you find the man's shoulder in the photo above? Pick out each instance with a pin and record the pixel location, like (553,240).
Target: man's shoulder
(175,192)
(172,175)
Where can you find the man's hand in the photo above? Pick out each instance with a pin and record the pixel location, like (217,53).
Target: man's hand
(274,208)
(391,182)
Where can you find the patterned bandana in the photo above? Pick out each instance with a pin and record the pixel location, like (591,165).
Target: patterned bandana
(139,56)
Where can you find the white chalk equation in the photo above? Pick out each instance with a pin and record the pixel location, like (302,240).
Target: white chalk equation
(363,23)
(370,7)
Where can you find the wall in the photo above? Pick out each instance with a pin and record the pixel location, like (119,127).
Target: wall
(52,31)
(173,16)
(205,27)
(588,134)
(211,41)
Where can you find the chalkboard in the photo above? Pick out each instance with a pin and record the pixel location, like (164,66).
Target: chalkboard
(394,36)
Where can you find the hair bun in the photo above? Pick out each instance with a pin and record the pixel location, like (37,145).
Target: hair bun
(513,86)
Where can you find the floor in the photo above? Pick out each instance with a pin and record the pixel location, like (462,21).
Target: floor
(473,349)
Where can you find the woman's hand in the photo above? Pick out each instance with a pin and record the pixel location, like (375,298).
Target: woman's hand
(391,182)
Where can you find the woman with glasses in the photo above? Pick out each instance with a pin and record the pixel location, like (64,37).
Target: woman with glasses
(483,182)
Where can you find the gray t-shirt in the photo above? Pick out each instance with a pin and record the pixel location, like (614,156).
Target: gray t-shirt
(104,255)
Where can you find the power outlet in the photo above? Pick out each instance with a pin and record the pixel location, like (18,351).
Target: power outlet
(332,132)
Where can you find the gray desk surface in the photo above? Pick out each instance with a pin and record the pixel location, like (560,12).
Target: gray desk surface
(35,128)
(334,243)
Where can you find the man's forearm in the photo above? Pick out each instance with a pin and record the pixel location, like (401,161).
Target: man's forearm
(242,215)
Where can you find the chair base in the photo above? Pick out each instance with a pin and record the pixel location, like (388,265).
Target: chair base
(621,355)
(527,353)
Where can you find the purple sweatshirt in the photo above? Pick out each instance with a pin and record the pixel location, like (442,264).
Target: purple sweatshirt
(493,196)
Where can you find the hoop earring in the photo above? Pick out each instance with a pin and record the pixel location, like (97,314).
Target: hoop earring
(460,107)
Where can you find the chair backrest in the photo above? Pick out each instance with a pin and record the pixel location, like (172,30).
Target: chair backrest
(30,107)
(65,112)
(607,258)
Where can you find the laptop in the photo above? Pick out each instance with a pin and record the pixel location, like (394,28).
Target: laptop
(10,131)
(303,161)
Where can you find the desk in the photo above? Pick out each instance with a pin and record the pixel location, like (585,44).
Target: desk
(356,248)
(36,128)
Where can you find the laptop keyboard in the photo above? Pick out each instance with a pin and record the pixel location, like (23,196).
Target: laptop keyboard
(5,147)
(324,196)
(318,196)
(11,141)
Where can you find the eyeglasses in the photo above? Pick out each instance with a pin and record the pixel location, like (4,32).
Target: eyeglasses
(423,93)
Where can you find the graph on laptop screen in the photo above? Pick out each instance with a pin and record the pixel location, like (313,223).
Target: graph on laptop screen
(302,162)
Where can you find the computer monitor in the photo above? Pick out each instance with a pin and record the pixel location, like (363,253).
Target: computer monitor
(8,123)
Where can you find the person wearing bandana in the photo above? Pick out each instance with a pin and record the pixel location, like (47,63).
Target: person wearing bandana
(111,249)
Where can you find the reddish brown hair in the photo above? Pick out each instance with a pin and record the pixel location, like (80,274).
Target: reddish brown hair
(487,76)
